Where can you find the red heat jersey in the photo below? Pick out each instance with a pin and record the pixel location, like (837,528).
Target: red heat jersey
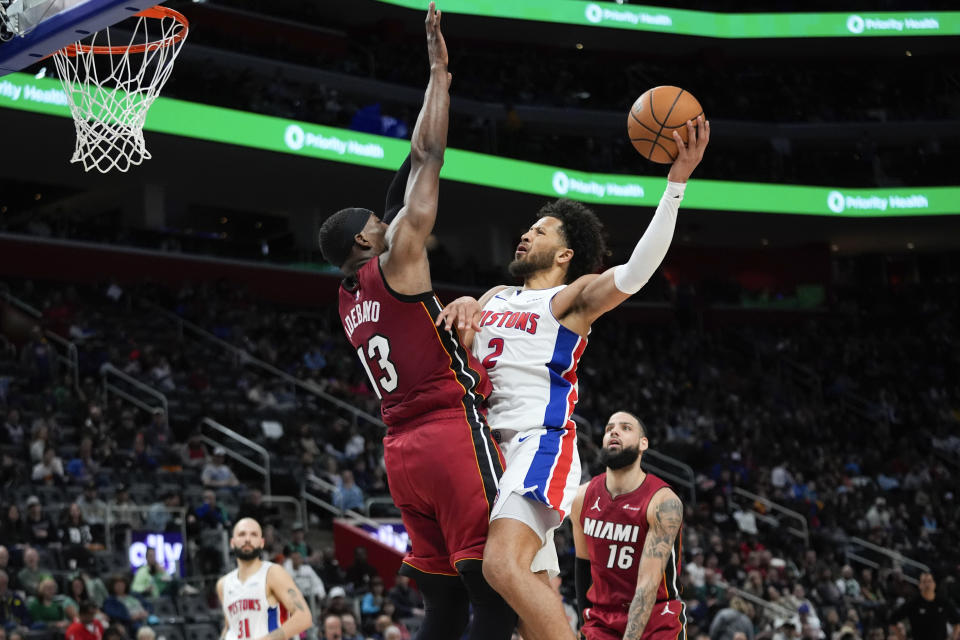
(415,367)
(615,529)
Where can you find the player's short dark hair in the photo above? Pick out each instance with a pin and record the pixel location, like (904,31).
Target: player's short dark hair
(338,231)
(582,231)
(643,428)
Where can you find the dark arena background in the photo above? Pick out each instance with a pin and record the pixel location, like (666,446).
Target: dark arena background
(171,357)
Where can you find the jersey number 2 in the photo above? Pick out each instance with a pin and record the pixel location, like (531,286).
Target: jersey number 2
(491,360)
(378,350)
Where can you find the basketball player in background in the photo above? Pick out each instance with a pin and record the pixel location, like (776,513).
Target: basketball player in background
(626,529)
(260,600)
(441,459)
(530,340)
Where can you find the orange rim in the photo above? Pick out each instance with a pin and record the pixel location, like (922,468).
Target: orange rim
(157,12)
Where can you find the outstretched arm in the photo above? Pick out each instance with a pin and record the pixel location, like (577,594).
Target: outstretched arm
(591,296)
(664,515)
(405,263)
(397,192)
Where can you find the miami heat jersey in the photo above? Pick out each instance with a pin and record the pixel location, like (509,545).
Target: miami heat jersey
(531,359)
(245,606)
(415,367)
(615,529)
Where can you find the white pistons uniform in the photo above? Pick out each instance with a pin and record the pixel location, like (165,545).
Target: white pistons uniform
(532,362)
(245,606)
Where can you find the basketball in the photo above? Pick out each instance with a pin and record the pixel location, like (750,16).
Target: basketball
(655,116)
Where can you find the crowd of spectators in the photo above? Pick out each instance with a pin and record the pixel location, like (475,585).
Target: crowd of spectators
(711,397)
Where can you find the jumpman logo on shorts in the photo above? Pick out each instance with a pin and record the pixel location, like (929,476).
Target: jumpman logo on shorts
(596,505)
(666,609)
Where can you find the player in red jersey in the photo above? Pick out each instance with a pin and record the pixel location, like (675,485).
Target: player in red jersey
(442,462)
(626,528)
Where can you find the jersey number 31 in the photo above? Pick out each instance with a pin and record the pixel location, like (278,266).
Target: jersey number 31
(378,350)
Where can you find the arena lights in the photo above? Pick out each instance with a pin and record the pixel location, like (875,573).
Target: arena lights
(708,23)
(216,124)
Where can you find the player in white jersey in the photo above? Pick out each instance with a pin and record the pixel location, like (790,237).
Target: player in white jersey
(260,600)
(530,339)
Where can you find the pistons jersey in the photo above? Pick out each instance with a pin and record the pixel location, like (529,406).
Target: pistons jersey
(415,367)
(248,613)
(616,529)
(531,359)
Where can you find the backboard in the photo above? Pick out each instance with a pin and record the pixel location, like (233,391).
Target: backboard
(37,28)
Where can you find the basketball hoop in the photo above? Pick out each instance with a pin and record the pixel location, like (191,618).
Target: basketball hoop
(110,87)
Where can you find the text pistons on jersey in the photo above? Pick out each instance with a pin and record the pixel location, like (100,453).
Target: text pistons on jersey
(366,311)
(610,530)
(522,321)
(247,604)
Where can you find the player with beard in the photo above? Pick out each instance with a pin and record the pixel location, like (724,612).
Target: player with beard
(626,528)
(260,600)
(530,340)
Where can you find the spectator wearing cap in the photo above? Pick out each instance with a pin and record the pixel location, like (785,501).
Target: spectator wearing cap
(337,601)
(13,608)
(216,473)
(48,471)
(86,626)
(30,577)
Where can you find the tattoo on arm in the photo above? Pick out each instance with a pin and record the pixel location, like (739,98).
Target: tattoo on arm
(658,546)
(663,532)
(297,600)
(639,613)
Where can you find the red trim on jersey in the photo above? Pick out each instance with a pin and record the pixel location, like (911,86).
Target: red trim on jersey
(571,376)
(562,468)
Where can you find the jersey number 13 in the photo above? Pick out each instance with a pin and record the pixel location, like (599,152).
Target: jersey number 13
(378,350)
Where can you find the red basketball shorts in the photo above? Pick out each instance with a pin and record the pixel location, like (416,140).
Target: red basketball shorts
(443,472)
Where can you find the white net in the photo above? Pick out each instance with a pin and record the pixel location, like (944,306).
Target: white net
(110,87)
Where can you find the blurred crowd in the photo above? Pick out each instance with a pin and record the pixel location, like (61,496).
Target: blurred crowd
(714,398)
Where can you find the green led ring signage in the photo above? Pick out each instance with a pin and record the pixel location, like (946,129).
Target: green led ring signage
(216,124)
(707,23)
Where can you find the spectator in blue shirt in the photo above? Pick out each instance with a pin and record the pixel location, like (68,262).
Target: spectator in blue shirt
(348,495)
